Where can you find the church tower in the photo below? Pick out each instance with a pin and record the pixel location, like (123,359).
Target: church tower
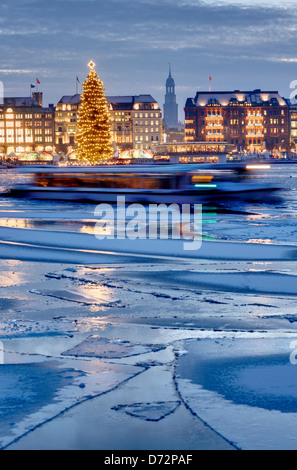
(170,106)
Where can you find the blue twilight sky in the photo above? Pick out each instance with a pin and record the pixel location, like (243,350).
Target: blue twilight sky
(240,44)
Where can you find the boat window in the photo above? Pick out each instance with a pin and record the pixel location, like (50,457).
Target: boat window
(122,181)
(202,179)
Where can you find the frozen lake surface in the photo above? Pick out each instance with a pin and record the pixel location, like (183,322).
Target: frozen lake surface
(139,345)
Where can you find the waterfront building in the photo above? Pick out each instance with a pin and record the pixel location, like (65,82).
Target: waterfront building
(136,122)
(293,127)
(26,126)
(66,123)
(253,121)
(121,121)
(147,123)
(173,136)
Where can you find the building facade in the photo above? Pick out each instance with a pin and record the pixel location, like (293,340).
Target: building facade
(136,122)
(66,123)
(26,126)
(251,120)
(121,116)
(147,123)
(170,107)
(293,127)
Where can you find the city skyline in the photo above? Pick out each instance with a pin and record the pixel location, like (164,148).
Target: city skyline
(241,45)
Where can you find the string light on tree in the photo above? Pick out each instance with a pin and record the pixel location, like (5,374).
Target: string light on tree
(93,138)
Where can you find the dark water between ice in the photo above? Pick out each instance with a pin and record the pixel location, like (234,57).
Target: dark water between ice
(265,221)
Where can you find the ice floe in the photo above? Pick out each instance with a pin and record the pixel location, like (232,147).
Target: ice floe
(95,346)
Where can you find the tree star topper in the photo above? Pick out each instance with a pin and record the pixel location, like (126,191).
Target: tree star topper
(91,65)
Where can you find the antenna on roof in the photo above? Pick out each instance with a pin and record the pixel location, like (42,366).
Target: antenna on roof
(77,82)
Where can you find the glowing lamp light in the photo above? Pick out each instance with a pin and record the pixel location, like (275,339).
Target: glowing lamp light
(91,65)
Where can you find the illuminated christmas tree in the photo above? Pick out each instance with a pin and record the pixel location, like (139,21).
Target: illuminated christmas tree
(93,136)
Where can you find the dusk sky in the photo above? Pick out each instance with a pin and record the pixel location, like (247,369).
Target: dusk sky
(241,45)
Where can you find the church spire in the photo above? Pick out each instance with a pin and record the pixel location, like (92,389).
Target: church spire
(170,106)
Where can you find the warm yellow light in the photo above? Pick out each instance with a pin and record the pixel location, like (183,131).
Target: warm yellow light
(258,167)
(91,65)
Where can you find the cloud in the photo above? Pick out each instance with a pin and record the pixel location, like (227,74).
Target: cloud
(16,71)
(241,43)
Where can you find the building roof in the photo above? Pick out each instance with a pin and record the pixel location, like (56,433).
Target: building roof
(223,98)
(21,102)
(120,99)
(144,99)
(131,99)
(74,99)
(126,101)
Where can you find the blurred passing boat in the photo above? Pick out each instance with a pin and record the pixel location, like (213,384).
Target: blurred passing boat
(146,184)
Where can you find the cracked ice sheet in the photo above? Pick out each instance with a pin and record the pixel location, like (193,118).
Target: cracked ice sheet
(150,301)
(26,403)
(244,390)
(55,312)
(96,424)
(145,302)
(95,346)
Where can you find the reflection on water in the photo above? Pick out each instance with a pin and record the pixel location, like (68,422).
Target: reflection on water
(56,225)
(256,217)
(260,241)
